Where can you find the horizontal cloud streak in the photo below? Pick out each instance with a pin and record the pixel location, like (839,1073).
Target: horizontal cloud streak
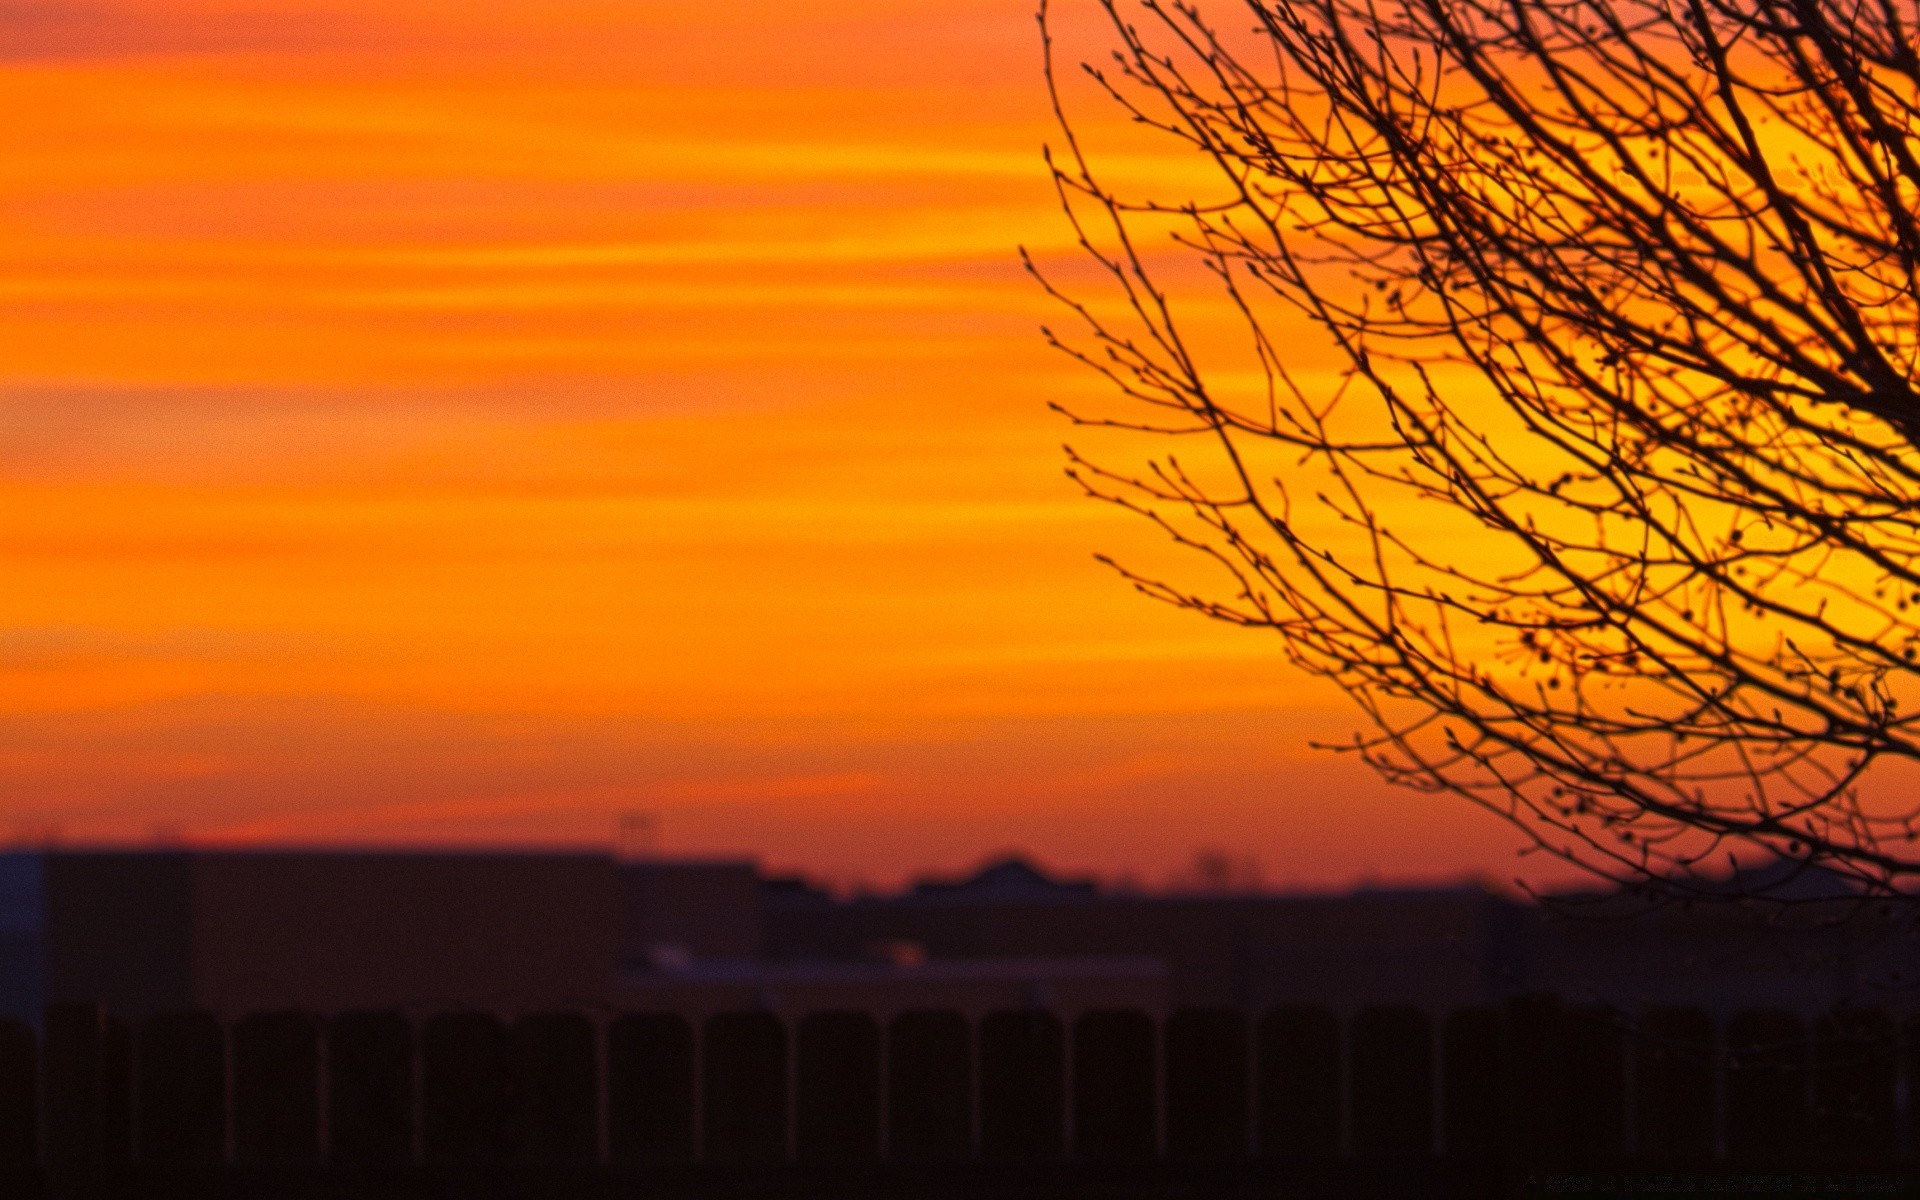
(50,647)
(431,420)
(48,30)
(861,800)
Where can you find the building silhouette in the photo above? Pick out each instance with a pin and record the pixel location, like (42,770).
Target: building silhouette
(230,932)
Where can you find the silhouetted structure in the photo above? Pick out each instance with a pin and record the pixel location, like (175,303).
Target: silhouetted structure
(1435,947)
(233,932)
(1472,1102)
(1404,1042)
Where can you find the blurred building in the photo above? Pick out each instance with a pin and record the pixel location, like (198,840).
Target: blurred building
(1791,939)
(678,912)
(232,932)
(1440,947)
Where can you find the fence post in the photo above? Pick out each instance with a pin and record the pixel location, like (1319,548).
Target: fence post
(837,1088)
(1472,1076)
(1592,1084)
(1532,1124)
(182,1103)
(1910,1069)
(19,1101)
(1766,1086)
(929,1087)
(1297,1083)
(86,1101)
(1674,1052)
(650,1085)
(1206,1085)
(467,1089)
(117,1068)
(276,1088)
(1392,1057)
(1113,1087)
(370,1089)
(557,1088)
(1022,1086)
(745,1077)
(1855,1072)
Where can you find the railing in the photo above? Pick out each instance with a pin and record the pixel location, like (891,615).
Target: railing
(1534,1082)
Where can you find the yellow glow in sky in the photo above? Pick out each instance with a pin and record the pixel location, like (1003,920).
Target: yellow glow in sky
(433,422)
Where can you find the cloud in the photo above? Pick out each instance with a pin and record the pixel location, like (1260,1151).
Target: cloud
(56,647)
(47,30)
(848,798)
(197,435)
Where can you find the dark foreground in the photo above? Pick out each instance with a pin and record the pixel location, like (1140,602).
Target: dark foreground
(1532,1099)
(1432,1180)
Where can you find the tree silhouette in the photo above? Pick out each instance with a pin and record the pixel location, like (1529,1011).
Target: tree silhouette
(1563,409)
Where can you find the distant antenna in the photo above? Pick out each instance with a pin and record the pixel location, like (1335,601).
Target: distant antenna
(638,836)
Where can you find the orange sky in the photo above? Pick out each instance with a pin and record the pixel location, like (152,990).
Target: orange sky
(425,421)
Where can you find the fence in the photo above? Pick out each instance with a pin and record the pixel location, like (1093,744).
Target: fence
(1532,1082)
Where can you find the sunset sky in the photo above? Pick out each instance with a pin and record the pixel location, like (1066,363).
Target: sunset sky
(433,422)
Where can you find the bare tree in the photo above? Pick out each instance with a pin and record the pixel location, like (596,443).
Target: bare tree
(1564,407)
